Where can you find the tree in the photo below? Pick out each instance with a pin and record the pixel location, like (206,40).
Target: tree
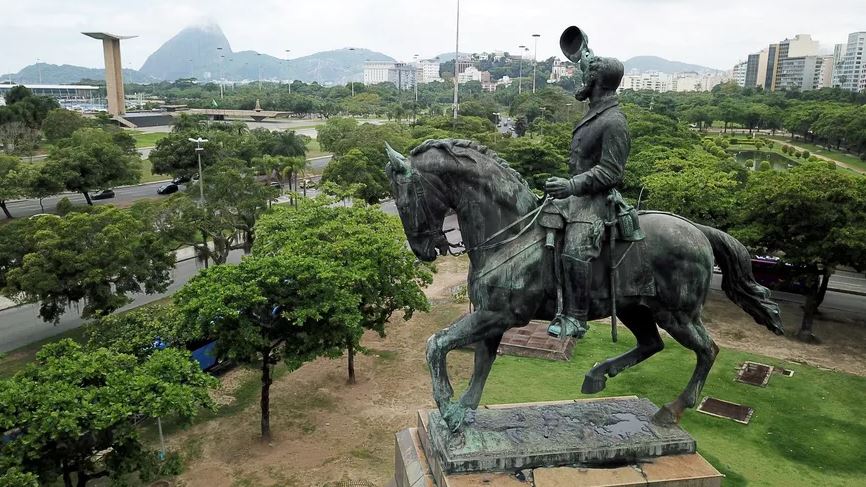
(97,257)
(17,138)
(812,215)
(14,179)
(43,182)
(175,154)
(61,123)
(353,168)
(134,332)
(282,307)
(367,244)
(94,159)
(535,159)
(74,411)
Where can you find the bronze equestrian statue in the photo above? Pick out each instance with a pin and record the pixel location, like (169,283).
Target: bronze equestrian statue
(661,269)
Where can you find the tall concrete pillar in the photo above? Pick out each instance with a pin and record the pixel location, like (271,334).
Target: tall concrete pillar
(113,70)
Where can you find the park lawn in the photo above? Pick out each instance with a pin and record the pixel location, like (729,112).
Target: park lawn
(315,150)
(806,430)
(147,139)
(13,361)
(838,156)
(147,175)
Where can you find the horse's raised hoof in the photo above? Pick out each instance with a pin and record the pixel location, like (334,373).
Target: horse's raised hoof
(665,416)
(593,384)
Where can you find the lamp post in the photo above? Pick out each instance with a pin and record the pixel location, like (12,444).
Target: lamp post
(534,60)
(220,53)
(289,81)
(415,106)
(198,150)
(520,71)
(259,59)
(456,60)
(351,79)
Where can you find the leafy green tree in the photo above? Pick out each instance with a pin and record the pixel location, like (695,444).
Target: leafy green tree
(14,179)
(43,182)
(699,192)
(135,332)
(61,123)
(18,138)
(535,159)
(175,154)
(367,244)
(266,309)
(814,216)
(94,159)
(73,411)
(97,257)
(353,168)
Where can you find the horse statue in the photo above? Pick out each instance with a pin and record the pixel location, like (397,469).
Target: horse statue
(510,271)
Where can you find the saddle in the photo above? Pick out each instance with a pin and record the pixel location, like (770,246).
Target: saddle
(627,258)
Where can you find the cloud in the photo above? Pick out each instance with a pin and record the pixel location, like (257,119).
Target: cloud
(711,33)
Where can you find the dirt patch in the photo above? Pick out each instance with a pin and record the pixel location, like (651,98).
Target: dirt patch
(327,432)
(843,335)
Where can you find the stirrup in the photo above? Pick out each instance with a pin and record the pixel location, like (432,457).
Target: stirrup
(573,327)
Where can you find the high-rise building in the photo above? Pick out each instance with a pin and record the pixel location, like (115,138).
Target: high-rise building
(770,70)
(738,74)
(428,71)
(849,72)
(403,75)
(752,63)
(804,73)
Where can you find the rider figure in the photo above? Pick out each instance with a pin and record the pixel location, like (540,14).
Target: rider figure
(599,149)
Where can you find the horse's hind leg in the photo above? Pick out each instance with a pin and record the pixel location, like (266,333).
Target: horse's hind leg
(485,354)
(641,323)
(690,333)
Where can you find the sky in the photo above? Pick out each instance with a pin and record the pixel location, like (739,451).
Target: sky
(711,33)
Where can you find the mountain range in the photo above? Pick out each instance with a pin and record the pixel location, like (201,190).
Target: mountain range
(204,53)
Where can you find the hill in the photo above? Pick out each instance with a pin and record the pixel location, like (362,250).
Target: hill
(66,74)
(655,63)
(194,53)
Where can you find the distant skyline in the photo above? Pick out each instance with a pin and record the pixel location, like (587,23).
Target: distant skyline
(714,34)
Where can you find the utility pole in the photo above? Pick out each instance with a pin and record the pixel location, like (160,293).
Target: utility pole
(259,59)
(220,53)
(39,70)
(351,79)
(287,71)
(456,60)
(520,70)
(415,107)
(198,150)
(534,61)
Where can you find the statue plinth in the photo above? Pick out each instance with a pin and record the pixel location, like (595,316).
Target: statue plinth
(550,443)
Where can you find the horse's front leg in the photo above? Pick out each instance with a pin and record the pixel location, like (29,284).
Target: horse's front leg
(472,328)
(485,354)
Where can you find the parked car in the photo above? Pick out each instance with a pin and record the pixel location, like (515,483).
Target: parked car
(777,275)
(103,195)
(167,189)
(180,180)
(275,184)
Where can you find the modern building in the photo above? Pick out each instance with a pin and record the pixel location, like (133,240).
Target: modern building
(376,72)
(738,73)
(752,65)
(80,93)
(471,73)
(804,73)
(428,71)
(849,72)
(651,80)
(403,75)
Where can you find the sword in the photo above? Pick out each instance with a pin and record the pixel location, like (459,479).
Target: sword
(611,244)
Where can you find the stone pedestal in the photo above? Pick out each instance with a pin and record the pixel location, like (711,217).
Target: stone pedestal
(553,444)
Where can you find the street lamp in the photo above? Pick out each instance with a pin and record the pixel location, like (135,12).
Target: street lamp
(520,71)
(287,71)
(220,53)
(198,150)
(351,79)
(415,107)
(534,60)
(259,59)
(456,59)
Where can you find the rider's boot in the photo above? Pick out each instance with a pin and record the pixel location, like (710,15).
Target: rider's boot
(575,292)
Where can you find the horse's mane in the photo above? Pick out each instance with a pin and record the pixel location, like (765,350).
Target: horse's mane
(448,145)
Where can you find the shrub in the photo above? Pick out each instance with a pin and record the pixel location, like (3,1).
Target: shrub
(64,206)
(805,154)
(764,166)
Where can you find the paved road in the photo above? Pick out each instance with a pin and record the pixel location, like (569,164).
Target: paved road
(128,194)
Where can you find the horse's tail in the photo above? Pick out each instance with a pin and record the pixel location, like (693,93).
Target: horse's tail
(738,282)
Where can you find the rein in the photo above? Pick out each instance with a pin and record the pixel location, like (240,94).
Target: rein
(487,245)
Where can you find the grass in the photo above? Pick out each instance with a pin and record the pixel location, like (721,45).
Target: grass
(837,156)
(315,150)
(14,361)
(147,175)
(806,429)
(147,139)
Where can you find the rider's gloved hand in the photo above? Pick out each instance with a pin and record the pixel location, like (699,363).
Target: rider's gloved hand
(559,188)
